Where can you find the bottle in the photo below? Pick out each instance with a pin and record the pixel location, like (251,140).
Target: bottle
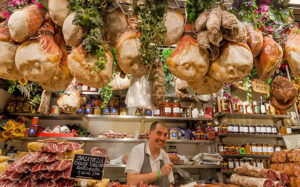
(256,108)
(262,106)
(33,131)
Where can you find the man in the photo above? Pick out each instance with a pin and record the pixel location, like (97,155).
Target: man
(148,163)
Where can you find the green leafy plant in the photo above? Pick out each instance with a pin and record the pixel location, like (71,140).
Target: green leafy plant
(89,15)
(169,77)
(150,24)
(195,7)
(105,94)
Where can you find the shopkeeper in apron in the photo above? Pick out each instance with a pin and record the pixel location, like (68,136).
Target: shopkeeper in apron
(148,163)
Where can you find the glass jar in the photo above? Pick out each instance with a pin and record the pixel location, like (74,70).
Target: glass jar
(252,129)
(263,129)
(270,149)
(148,112)
(274,130)
(176,109)
(236,129)
(283,130)
(223,105)
(220,129)
(227,149)
(93,89)
(114,110)
(232,149)
(230,163)
(277,148)
(249,108)
(240,108)
(157,112)
(226,165)
(272,110)
(264,164)
(235,108)
(123,111)
(167,109)
(259,149)
(258,129)
(106,111)
(253,149)
(241,129)
(84,88)
(221,148)
(242,150)
(259,164)
(246,129)
(253,163)
(139,112)
(81,109)
(97,110)
(268,108)
(88,109)
(230,128)
(248,148)
(269,130)
(265,149)
(236,163)
(256,108)
(225,129)
(173,134)
(98,102)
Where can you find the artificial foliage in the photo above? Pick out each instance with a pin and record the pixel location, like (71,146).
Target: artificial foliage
(150,24)
(89,15)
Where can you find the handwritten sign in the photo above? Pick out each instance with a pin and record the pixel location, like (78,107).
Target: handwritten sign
(88,167)
(292,141)
(259,86)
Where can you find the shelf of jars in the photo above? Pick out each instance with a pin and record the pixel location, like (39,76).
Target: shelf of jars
(187,166)
(250,135)
(257,116)
(111,117)
(114,140)
(246,155)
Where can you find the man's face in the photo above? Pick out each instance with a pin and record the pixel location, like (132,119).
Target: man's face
(158,136)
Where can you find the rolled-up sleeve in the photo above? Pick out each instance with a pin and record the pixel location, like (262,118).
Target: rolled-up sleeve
(135,160)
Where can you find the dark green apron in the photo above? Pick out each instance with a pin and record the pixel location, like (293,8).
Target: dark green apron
(146,168)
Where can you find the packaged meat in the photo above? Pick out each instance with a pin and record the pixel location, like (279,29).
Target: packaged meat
(269,59)
(255,40)
(72,33)
(59,11)
(293,51)
(25,22)
(174,23)
(62,77)
(127,51)
(188,62)
(45,56)
(8,69)
(115,23)
(283,94)
(82,66)
(234,63)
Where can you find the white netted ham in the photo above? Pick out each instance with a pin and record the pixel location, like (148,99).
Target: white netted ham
(25,22)
(39,59)
(72,33)
(188,62)
(234,63)
(62,77)
(174,23)
(82,66)
(127,51)
(59,11)
(8,69)
(115,23)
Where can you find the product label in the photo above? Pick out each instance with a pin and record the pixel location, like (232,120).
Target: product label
(241,129)
(113,111)
(79,111)
(269,129)
(263,129)
(237,164)
(289,130)
(270,149)
(167,110)
(258,129)
(148,112)
(263,109)
(106,111)
(251,129)
(88,110)
(174,135)
(277,149)
(31,131)
(156,112)
(230,164)
(176,110)
(249,109)
(236,129)
(274,130)
(259,149)
(230,129)
(84,88)
(265,150)
(253,149)
(246,129)
(221,149)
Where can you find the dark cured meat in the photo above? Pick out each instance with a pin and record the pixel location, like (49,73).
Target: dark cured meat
(36,176)
(284,178)
(271,175)
(54,147)
(47,183)
(11,175)
(15,166)
(49,175)
(280,184)
(72,146)
(99,152)
(27,183)
(24,168)
(8,183)
(32,157)
(66,183)
(51,157)
(268,183)
(36,167)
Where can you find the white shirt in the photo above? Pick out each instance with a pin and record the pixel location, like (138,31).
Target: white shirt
(136,160)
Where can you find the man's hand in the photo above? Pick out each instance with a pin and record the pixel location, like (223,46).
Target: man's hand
(166,169)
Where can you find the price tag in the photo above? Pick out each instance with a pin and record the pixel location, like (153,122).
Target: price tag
(259,86)
(88,167)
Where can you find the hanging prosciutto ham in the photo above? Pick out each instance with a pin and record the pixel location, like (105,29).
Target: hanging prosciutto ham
(255,40)
(127,51)
(25,22)
(188,62)
(206,85)
(8,69)
(292,48)
(62,77)
(234,63)
(82,68)
(72,33)
(59,11)
(39,59)
(115,23)
(269,59)
(174,23)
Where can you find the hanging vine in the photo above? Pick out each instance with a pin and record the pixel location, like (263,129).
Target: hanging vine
(150,23)
(89,15)
(195,7)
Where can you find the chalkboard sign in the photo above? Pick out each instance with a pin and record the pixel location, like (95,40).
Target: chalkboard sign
(88,166)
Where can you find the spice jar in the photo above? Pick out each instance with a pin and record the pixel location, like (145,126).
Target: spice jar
(248,148)
(270,149)
(265,149)
(157,112)
(221,148)
(97,110)
(167,110)
(253,149)
(259,149)
(176,109)
(173,134)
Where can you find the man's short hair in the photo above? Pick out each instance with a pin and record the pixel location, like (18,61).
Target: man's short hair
(154,124)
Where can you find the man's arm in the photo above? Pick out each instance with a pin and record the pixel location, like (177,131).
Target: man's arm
(136,179)
(171,185)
